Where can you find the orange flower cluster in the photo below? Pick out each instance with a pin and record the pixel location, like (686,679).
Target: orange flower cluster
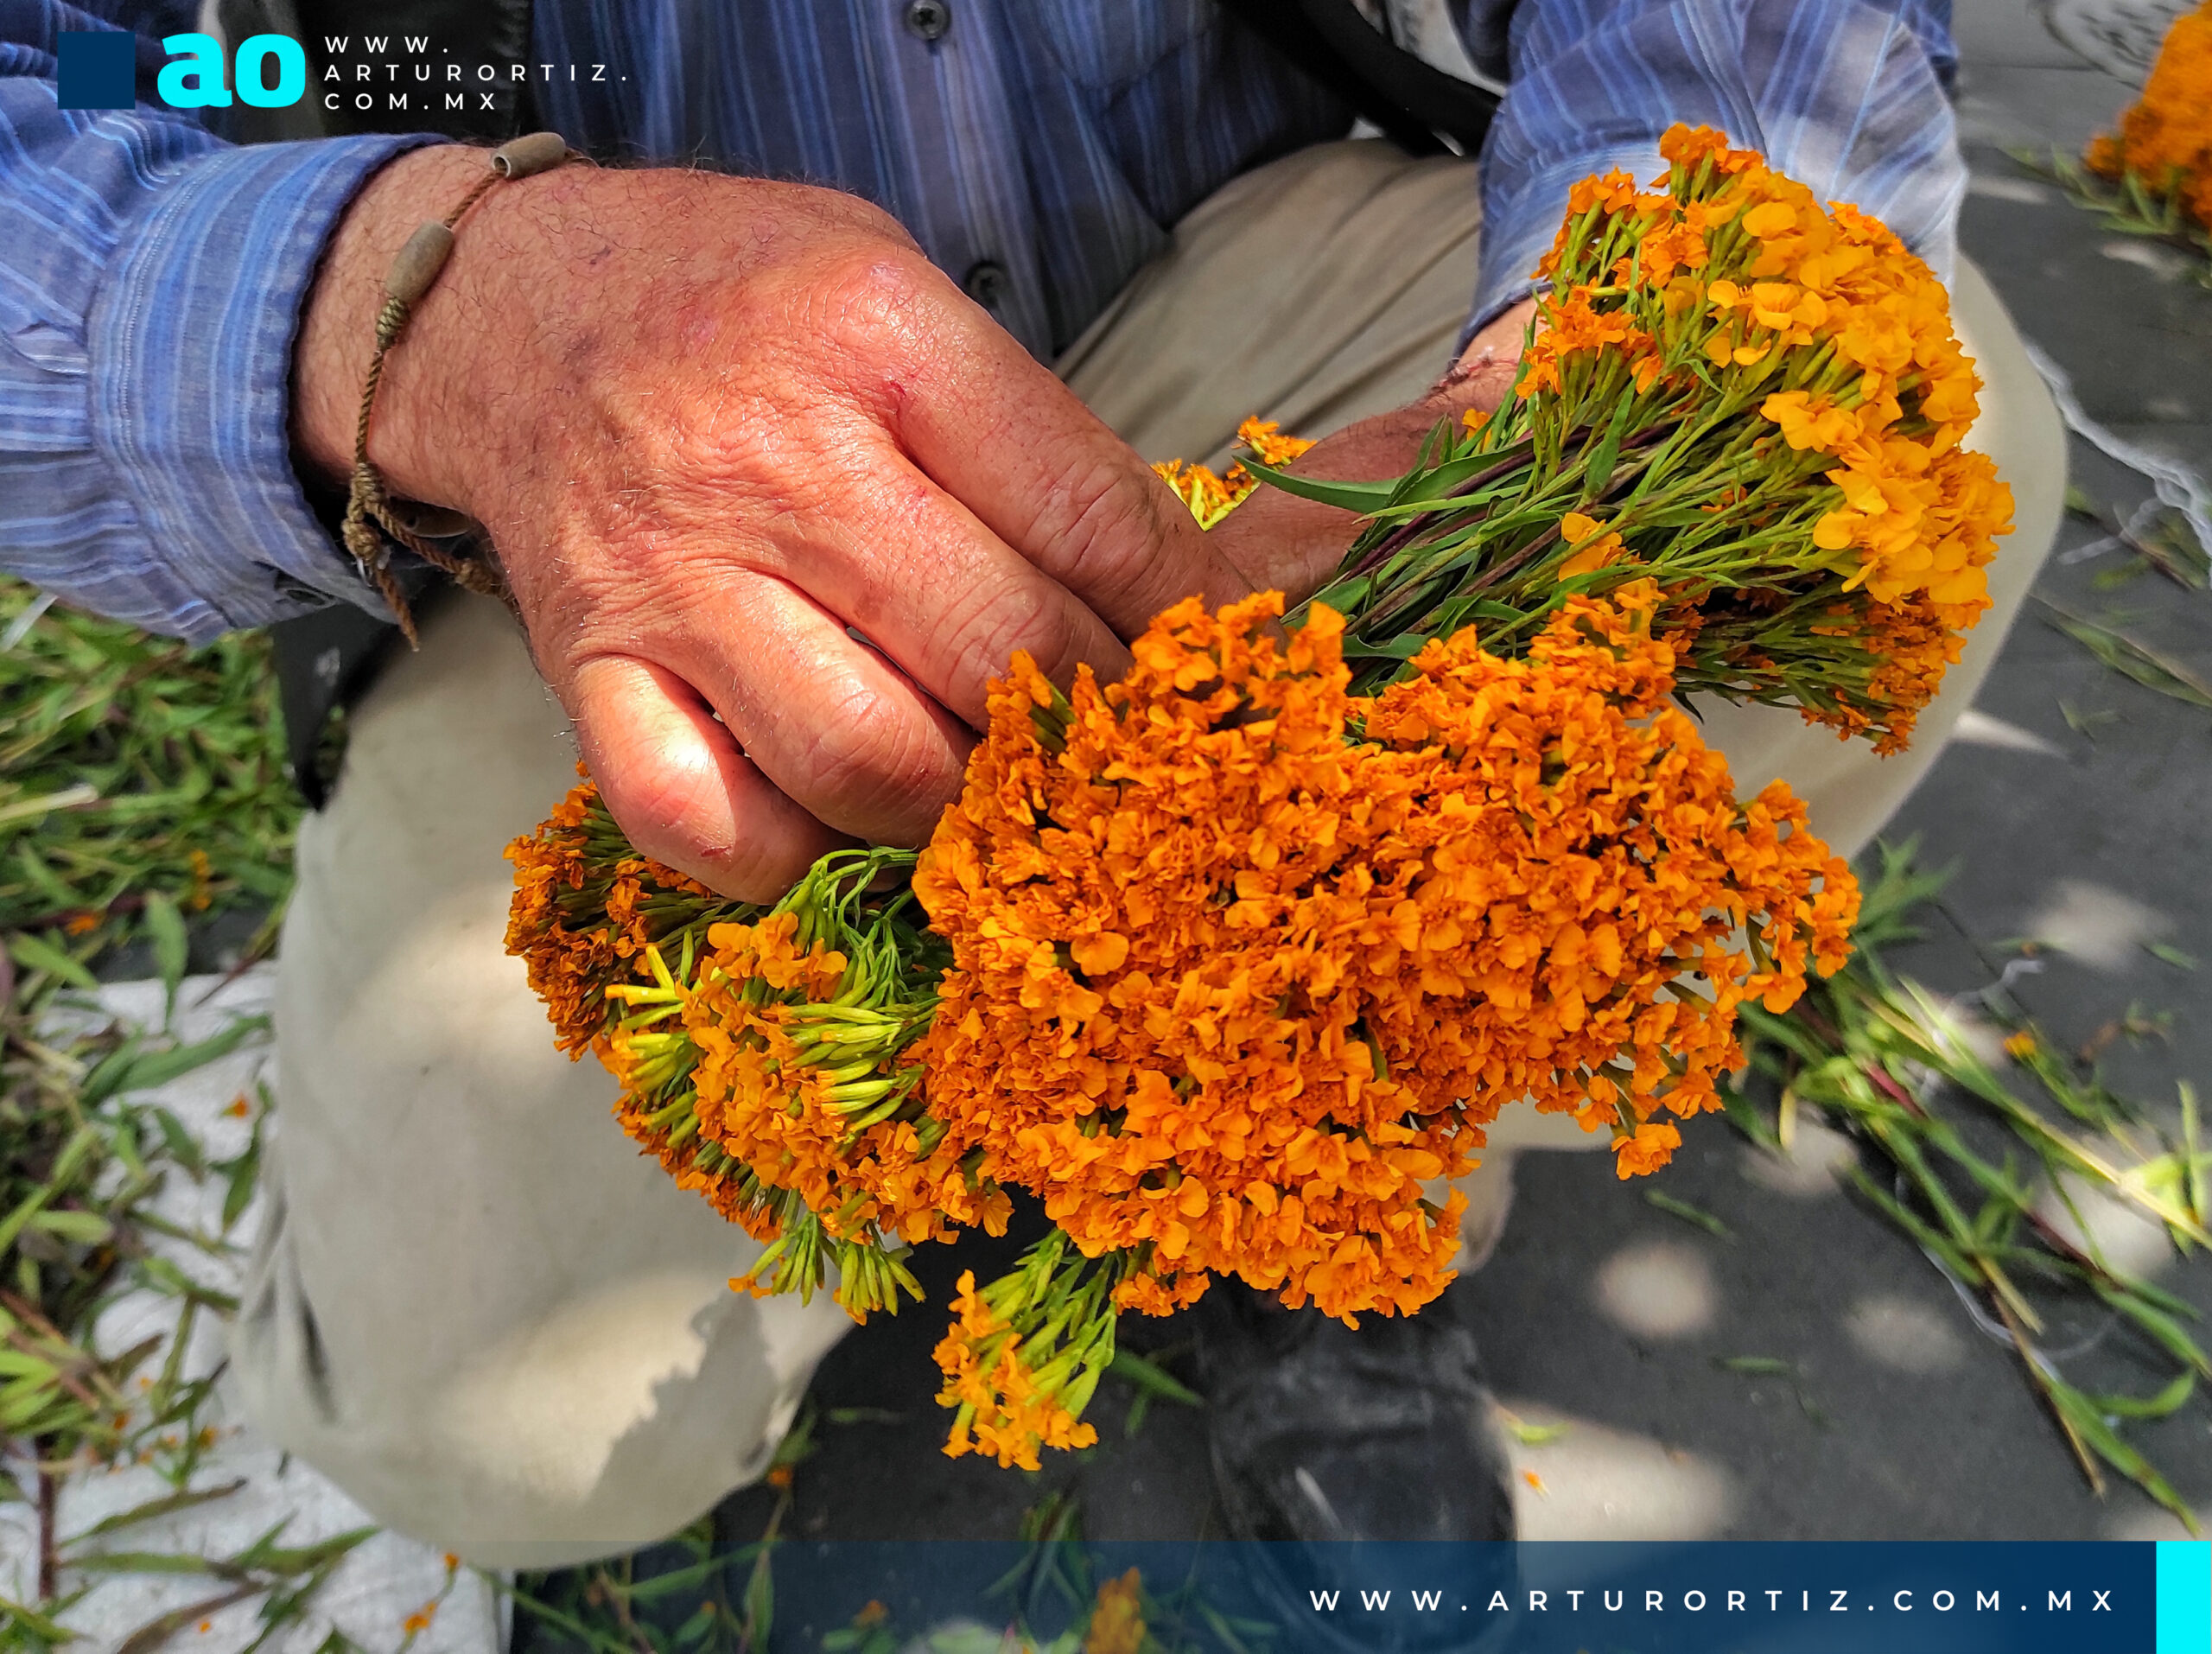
(1845,339)
(2165,139)
(1003,1406)
(790,1085)
(1209,498)
(1243,961)
(1117,1617)
(768,1070)
(586,906)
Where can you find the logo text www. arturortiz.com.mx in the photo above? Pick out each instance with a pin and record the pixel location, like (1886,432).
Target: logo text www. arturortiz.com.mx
(101,69)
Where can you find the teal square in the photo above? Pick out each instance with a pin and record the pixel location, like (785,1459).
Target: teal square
(2185,1596)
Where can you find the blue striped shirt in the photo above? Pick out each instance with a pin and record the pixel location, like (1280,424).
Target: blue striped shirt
(151,276)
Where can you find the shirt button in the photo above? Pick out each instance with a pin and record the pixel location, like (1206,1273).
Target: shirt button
(928,20)
(986,283)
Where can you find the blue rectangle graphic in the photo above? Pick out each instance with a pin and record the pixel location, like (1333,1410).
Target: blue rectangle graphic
(2185,1596)
(95,69)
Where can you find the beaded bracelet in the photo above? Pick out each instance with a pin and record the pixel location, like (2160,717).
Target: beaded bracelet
(375,521)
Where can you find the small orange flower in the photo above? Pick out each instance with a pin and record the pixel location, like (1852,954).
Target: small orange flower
(1268,444)
(1117,1617)
(1648,1148)
(1592,546)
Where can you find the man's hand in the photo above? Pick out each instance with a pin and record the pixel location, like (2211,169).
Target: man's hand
(1283,543)
(716,427)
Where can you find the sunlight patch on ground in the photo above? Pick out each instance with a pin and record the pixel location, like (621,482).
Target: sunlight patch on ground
(1596,1482)
(1977,728)
(1904,1335)
(1660,1289)
(2095,923)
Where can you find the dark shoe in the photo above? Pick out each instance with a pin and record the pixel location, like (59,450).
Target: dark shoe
(1320,1433)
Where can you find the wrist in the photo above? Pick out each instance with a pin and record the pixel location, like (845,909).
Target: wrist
(411,440)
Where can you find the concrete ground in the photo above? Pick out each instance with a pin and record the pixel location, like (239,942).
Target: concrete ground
(2075,814)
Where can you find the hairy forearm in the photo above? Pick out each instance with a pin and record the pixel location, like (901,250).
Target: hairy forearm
(338,332)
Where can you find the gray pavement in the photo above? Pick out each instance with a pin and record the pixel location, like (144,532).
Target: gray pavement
(1598,1311)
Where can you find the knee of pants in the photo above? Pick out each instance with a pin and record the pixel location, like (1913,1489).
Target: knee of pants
(605,1425)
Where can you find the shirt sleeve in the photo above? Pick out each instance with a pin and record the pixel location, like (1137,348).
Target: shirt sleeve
(1849,96)
(151,280)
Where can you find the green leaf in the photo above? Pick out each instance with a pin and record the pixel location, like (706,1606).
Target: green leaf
(1759,1365)
(168,1505)
(76,1228)
(761,1602)
(2172,955)
(1688,1214)
(1139,1410)
(165,928)
(183,1147)
(1132,1368)
(2167,1401)
(133,1069)
(2131,659)
(34,953)
(1361,497)
(1535,1435)
(240,1176)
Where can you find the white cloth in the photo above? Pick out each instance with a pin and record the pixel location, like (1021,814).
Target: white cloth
(477,1308)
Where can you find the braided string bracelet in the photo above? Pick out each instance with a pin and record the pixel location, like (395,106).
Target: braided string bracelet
(375,520)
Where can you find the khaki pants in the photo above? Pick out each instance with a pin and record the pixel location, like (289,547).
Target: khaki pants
(475,1307)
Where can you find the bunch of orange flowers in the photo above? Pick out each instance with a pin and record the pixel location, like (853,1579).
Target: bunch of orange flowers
(1754,399)
(2165,141)
(1232,964)
(1256,959)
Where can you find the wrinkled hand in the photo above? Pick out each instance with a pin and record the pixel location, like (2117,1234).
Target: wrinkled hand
(1283,543)
(715,426)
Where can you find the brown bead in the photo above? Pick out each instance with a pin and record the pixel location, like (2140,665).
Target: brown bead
(536,152)
(419,263)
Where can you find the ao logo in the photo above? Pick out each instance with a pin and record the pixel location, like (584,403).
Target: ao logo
(193,77)
(99,69)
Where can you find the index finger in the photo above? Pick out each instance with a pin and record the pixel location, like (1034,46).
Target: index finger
(993,428)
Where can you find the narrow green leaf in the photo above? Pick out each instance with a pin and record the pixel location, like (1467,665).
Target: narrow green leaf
(168,1505)
(1689,1214)
(34,953)
(2131,659)
(241,1176)
(165,928)
(1132,1368)
(146,1070)
(2167,1401)
(183,1147)
(75,1228)
(1361,497)
(1765,1365)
